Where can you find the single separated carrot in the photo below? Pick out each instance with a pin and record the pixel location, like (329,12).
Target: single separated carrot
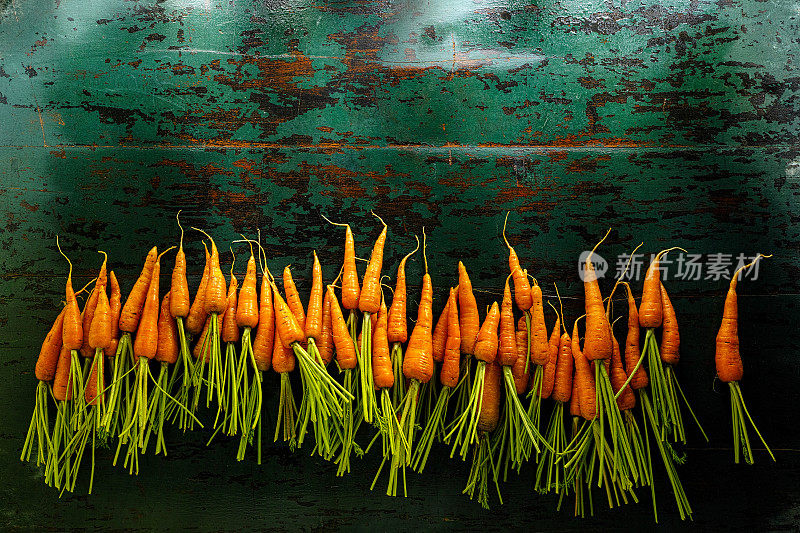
(730,370)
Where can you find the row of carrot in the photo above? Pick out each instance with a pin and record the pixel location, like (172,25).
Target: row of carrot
(217,347)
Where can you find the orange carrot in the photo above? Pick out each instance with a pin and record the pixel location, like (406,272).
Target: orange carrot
(287,327)
(293,299)
(283,359)
(618,377)
(727,358)
(650,310)
(92,393)
(131,312)
(325,342)
(468,317)
(62,385)
(540,348)
(115,306)
(418,360)
(313,325)
(452,353)
(265,334)
(562,387)
(369,301)
(350,286)
(519,371)
(632,354)
(598,329)
(198,350)
(670,337)
(549,374)
(91,305)
(507,347)
(48,354)
(585,378)
(168,344)
(345,349)
(575,397)
(440,333)
(145,344)
(197,312)
(247,304)
(179,301)
(230,329)
(72,330)
(216,297)
(522,288)
(398,328)
(100,329)
(490,404)
(487,341)
(381,359)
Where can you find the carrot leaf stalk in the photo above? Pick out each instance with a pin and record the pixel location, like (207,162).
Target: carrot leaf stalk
(434,427)
(551,462)
(399,388)
(39,429)
(482,462)
(741,441)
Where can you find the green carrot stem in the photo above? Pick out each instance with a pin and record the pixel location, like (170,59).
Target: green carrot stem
(287,413)
(364,356)
(465,427)
(462,390)
(740,409)
(399,388)
(433,427)
(39,428)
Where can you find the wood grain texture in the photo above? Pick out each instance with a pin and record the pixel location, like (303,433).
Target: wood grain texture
(674,123)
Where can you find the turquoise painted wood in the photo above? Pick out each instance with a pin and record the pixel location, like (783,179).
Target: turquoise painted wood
(674,123)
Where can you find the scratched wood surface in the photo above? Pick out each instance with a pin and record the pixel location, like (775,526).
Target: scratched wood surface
(675,123)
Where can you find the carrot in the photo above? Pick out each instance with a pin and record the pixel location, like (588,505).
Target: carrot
(98,338)
(325,345)
(179,300)
(313,325)
(507,347)
(293,299)
(51,347)
(381,359)
(72,329)
(100,328)
(490,402)
(575,397)
(597,345)
(95,384)
(132,310)
(440,333)
(350,285)
(283,362)
(345,349)
(452,353)
(197,312)
(397,326)
(145,344)
(562,387)
(519,369)
(216,298)
(487,341)
(91,305)
(62,385)
(728,361)
(288,329)
(247,306)
(670,337)
(522,288)
(468,317)
(418,360)
(625,400)
(540,348)
(584,377)
(632,354)
(369,300)
(263,342)
(115,306)
(283,358)
(230,329)
(549,374)
(487,421)
(168,346)
(200,350)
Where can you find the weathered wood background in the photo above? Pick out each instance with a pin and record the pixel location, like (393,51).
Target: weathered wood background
(675,123)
